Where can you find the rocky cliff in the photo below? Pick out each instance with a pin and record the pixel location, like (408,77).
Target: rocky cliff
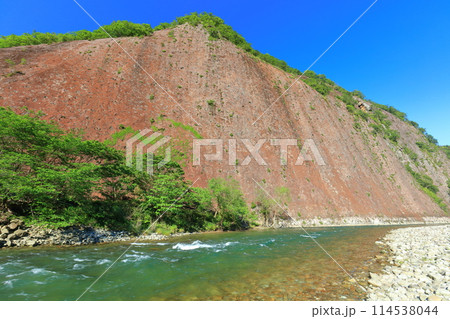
(214,90)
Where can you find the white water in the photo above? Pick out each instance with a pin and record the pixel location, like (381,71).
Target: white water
(198,244)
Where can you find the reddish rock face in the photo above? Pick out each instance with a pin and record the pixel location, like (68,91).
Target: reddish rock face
(98,87)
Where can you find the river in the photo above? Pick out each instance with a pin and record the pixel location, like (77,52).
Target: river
(281,264)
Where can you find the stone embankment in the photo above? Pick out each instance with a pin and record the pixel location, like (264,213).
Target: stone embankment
(16,234)
(419,266)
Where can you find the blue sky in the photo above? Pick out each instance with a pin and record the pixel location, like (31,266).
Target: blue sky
(397,54)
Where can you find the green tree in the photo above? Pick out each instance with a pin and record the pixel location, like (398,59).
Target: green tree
(53,177)
(232,212)
(266,208)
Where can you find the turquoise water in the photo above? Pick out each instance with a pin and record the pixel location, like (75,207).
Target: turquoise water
(280,264)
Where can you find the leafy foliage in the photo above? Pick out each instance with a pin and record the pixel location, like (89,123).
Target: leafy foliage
(402,116)
(48,176)
(232,211)
(115,29)
(427,147)
(448,186)
(426,185)
(446,149)
(363,115)
(436,199)
(423,180)
(376,128)
(269,209)
(346,97)
(380,123)
(412,155)
(392,135)
(318,82)
(171,202)
(266,208)
(431,139)
(58,179)
(393,111)
(186,128)
(415,124)
(351,109)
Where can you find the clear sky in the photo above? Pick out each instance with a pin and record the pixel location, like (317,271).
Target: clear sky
(397,54)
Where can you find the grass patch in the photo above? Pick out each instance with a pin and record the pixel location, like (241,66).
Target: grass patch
(186,128)
(425,183)
(120,135)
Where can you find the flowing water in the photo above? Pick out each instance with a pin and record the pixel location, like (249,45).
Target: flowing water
(283,264)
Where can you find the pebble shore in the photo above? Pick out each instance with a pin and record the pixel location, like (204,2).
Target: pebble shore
(418,268)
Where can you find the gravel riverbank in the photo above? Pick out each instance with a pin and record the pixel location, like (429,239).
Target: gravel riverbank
(419,266)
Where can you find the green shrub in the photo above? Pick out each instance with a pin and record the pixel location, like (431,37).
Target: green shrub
(166,230)
(446,150)
(57,179)
(413,156)
(377,129)
(351,108)
(346,97)
(415,124)
(378,116)
(50,176)
(392,110)
(120,135)
(425,147)
(357,126)
(267,208)
(283,195)
(364,115)
(318,82)
(448,186)
(436,199)
(392,135)
(115,29)
(431,139)
(423,180)
(426,185)
(10,62)
(220,206)
(185,127)
(232,211)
